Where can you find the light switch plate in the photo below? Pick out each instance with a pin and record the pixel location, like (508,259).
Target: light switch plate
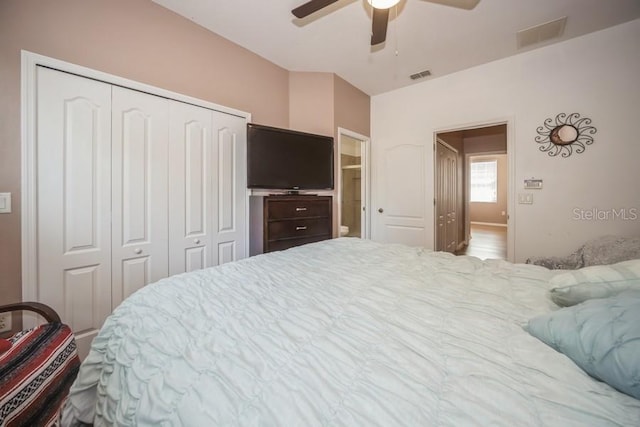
(525,198)
(5,202)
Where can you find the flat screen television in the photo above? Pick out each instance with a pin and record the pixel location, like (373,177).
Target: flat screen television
(283,159)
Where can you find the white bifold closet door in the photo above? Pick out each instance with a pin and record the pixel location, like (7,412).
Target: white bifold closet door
(74,200)
(140,144)
(230,220)
(131,188)
(207,197)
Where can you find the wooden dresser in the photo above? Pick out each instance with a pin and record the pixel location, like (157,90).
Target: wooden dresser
(282,222)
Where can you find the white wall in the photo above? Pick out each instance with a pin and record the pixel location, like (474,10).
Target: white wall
(595,75)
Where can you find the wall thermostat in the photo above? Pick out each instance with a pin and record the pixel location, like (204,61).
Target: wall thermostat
(533,184)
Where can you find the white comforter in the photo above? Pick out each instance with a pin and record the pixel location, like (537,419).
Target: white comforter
(340,333)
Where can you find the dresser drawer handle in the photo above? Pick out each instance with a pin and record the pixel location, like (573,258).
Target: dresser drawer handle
(301,209)
(300,228)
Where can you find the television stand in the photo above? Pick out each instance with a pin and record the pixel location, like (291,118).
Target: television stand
(292,193)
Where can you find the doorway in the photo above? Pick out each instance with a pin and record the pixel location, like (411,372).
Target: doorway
(353,184)
(478,222)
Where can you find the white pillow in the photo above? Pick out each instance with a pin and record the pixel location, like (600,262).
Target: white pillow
(598,281)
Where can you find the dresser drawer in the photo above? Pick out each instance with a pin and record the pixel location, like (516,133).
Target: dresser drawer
(298,228)
(284,209)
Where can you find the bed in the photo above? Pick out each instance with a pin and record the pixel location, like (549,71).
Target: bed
(345,332)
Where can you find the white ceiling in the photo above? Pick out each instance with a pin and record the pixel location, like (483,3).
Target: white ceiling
(425,35)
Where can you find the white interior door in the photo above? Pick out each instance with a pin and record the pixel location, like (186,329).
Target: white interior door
(399,183)
(140,136)
(191,189)
(230,180)
(73,200)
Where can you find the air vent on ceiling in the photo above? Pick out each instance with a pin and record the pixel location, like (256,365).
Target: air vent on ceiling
(420,75)
(542,32)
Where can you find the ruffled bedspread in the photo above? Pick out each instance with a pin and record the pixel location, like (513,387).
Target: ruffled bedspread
(344,332)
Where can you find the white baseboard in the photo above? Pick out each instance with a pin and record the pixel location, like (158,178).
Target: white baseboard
(488,223)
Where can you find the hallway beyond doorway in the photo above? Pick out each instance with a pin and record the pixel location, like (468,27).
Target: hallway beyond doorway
(490,139)
(487,242)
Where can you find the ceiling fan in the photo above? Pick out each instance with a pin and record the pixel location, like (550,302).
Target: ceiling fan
(380,12)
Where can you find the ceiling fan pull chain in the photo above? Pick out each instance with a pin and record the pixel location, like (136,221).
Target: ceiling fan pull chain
(395,28)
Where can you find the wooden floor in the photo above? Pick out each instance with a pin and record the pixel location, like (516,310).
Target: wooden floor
(486,242)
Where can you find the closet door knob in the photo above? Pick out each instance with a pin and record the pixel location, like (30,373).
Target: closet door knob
(380,210)
(137,251)
(196,241)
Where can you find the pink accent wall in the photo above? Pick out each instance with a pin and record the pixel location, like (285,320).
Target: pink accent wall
(323,102)
(142,41)
(311,102)
(352,107)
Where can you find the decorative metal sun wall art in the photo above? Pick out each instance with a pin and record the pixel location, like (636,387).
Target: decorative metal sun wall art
(565,135)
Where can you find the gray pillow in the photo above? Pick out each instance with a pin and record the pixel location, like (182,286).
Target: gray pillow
(610,249)
(599,281)
(600,251)
(602,336)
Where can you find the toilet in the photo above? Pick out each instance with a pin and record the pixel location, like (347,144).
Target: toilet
(344,230)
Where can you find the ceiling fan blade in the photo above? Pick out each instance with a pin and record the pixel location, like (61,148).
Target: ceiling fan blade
(379,27)
(310,7)
(460,4)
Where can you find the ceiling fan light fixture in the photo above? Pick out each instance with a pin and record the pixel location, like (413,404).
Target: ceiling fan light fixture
(383,4)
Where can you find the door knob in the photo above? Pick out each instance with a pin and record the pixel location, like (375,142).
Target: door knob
(196,241)
(380,210)
(137,251)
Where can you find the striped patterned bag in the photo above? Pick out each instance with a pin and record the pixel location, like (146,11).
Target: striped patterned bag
(35,375)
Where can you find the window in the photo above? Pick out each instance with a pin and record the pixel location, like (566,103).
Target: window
(484,181)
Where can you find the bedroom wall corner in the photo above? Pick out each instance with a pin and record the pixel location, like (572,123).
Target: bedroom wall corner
(352,107)
(322,103)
